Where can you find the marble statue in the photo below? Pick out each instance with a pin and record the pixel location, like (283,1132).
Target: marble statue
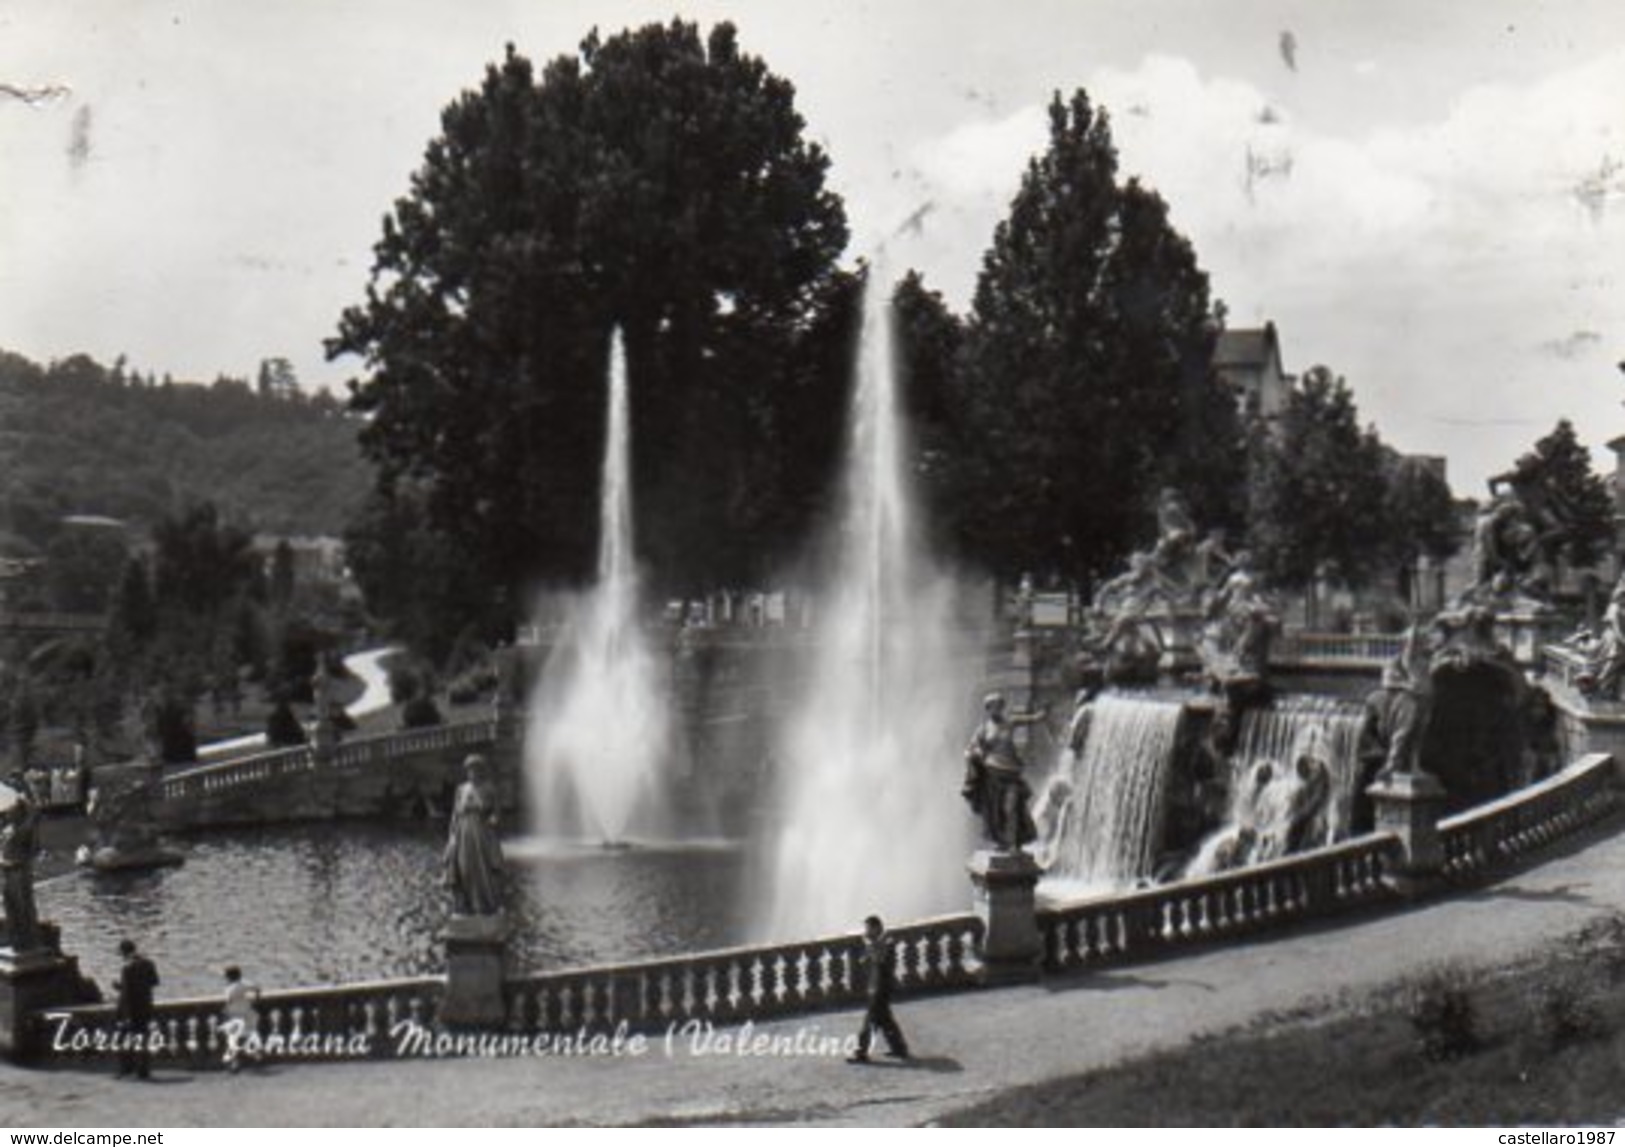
(474,867)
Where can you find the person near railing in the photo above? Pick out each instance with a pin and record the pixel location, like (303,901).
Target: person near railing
(137,979)
(880,979)
(241,1014)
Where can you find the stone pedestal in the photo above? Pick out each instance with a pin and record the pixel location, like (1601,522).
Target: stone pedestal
(1023,670)
(1005,884)
(324,736)
(36,979)
(476,970)
(1526,632)
(1408,805)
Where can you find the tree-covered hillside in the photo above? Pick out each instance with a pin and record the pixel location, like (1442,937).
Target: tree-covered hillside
(77,437)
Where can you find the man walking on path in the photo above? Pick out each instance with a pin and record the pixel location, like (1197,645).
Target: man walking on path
(136,980)
(881,966)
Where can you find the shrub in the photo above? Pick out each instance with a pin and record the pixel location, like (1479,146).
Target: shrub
(1567,1012)
(420,713)
(282,728)
(1444,1017)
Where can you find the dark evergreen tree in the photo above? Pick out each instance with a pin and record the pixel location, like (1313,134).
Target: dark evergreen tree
(135,616)
(1086,382)
(1569,501)
(1319,489)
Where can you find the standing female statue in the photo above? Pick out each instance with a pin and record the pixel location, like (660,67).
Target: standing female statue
(994,786)
(475,871)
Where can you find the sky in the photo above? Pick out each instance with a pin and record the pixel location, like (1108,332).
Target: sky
(1427,197)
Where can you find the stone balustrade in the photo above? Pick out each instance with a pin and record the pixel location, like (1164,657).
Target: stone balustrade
(360,752)
(735,984)
(1329,650)
(1506,830)
(1144,924)
(346,1021)
(1566,666)
(937,955)
(38,621)
(192,783)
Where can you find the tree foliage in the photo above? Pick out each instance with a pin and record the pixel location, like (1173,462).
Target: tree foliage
(82,438)
(1086,382)
(1319,488)
(657,181)
(1569,499)
(1420,512)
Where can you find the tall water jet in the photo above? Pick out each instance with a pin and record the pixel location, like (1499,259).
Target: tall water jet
(868,817)
(598,723)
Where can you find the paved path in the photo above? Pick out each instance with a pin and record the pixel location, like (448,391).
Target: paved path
(970,1046)
(374,696)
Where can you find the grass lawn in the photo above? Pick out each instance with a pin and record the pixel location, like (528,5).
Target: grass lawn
(1538,1043)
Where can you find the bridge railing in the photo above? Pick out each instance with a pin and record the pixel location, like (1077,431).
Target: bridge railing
(1147,923)
(359,752)
(1506,830)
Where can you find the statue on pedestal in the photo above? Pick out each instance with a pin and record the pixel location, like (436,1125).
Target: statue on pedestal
(474,867)
(1241,625)
(124,830)
(1605,652)
(994,786)
(18,842)
(1396,714)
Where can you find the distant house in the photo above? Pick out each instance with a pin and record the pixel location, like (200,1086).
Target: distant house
(317,560)
(1250,361)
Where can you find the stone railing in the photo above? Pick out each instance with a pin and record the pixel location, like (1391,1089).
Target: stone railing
(1145,924)
(360,752)
(52,622)
(1566,666)
(349,1021)
(937,955)
(1336,649)
(742,983)
(379,1019)
(363,751)
(1506,830)
(205,779)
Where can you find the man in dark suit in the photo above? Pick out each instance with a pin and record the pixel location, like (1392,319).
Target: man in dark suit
(880,964)
(136,980)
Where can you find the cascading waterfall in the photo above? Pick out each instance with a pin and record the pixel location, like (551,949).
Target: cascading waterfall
(598,722)
(868,819)
(1102,811)
(1292,783)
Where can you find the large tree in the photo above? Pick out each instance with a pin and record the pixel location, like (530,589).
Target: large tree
(658,181)
(1568,500)
(1319,488)
(1086,380)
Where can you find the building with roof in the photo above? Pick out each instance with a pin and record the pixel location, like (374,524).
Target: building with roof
(1250,361)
